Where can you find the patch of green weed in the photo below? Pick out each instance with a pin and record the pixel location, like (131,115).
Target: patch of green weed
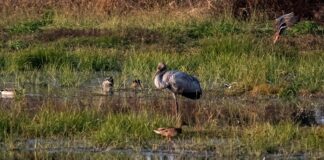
(32,26)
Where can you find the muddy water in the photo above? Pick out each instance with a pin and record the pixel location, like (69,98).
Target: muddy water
(60,149)
(91,153)
(34,149)
(227,110)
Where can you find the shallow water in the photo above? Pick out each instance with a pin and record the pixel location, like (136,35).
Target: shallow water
(212,104)
(60,149)
(68,149)
(229,110)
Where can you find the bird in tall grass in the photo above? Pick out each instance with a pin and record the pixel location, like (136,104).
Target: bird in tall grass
(170,132)
(179,83)
(136,84)
(8,93)
(282,23)
(107,85)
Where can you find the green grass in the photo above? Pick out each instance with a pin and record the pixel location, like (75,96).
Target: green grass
(135,129)
(33,25)
(215,50)
(47,123)
(281,138)
(67,123)
(305,27)
(125,129)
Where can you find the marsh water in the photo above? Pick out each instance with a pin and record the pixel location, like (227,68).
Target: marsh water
(238,110)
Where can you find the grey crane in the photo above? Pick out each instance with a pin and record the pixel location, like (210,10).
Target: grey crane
(283,22)
(178,83)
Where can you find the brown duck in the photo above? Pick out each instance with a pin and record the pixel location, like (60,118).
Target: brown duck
(170,132)
(283,22)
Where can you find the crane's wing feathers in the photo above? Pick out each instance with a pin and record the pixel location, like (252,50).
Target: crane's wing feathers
(184,84)
(286,20)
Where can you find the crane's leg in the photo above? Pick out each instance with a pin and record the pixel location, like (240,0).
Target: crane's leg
(176,104)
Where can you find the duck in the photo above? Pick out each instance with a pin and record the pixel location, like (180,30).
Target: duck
(136,84)
(170,132)
(107,85)
(282,23)
(8,93)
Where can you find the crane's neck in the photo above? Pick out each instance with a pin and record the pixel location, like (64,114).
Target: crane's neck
(160,72)
(158,79)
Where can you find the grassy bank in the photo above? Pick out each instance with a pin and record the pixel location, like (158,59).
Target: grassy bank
(235,131)
(216,50)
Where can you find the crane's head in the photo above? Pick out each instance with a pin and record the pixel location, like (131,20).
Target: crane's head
(161,66)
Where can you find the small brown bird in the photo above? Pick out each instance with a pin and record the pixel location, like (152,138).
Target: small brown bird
(282,23)
(136,84)
(170,132)
(107,85)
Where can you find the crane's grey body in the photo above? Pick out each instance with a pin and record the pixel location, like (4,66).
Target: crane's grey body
(178,83)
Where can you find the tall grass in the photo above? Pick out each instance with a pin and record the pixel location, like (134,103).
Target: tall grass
(66,123)
(243,9)
(135,129)
(215,50)
(124,129)
(272,139)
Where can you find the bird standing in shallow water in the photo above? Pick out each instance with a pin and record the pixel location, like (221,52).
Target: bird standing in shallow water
(283,22)
(178,83)
(107,86)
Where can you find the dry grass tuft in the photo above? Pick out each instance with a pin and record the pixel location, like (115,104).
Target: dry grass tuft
(264,89)
(239,8)
(52,35)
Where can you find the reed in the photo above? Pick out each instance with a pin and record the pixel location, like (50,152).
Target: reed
(246,130)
